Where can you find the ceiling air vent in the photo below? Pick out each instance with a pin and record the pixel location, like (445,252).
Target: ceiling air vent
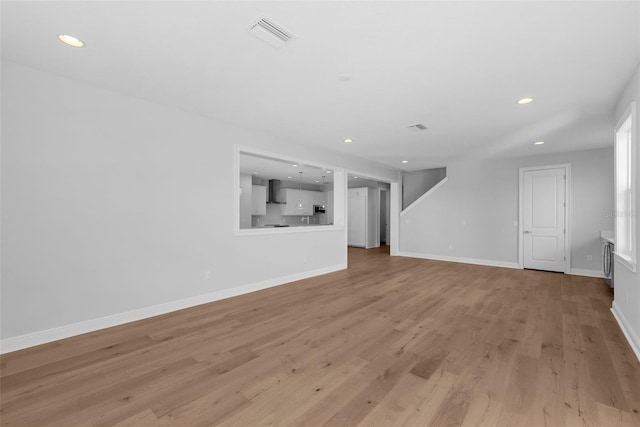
(418,127)
(271,33)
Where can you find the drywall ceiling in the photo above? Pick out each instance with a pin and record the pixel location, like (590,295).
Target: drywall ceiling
(269,168)
(456,67)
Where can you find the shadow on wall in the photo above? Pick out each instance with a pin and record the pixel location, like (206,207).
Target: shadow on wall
(415,184)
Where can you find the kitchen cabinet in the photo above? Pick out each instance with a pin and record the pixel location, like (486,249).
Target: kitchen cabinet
(363,217)
(327,218)
(291,195)
(245,201)
(318,196)
(309,198)
(258,200)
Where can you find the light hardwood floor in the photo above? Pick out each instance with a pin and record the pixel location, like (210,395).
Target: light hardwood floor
(390,341)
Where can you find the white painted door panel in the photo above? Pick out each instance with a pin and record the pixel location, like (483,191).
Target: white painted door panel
(544,219)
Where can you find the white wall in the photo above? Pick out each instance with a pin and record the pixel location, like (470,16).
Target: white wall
(626,304)
(415,184)
(473,215)
(112,205)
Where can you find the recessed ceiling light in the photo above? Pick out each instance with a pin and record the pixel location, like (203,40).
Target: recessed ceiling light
(70,40)
(405,161)
(539,142)
(355,177)
(525,101)
(328,171)
(289,177)
(294,165)
(348,141)
(317,180)
(255,173)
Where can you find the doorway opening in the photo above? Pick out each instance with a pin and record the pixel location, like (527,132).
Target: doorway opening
(369,214)
(385,207)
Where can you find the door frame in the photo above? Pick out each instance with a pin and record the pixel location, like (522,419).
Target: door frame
(395,201)
(567,212)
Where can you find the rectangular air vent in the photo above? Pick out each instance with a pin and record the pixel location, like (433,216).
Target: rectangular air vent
(418,127)
(271,33)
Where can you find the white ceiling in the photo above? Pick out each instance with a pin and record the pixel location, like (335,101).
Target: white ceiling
(269,168)
(457,67)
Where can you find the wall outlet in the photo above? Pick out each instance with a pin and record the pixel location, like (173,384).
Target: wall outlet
(515,223)
(464,222)
(207,275)
(589,257)
(304,258)
(450,247)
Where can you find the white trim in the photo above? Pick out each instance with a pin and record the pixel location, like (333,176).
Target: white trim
(286,230)
(251,150)
(586,273)
(235,203)
(424,196)
(567,212)
(366,176)
(629,260)
(41,337)
(485,262)
(627,330)
(394,218)
(625,260)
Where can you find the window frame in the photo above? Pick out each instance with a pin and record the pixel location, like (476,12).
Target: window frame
(625,137)
(338,181)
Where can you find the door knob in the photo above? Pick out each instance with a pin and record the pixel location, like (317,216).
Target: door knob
(526,232)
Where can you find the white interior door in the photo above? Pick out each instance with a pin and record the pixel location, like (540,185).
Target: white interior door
(387,235)
(544,205)
(372,218)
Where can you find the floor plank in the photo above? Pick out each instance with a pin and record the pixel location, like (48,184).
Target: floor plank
(390,341)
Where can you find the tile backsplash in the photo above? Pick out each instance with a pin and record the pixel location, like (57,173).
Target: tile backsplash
(274,216)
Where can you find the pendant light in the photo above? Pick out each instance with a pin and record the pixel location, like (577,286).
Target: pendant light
(300,204)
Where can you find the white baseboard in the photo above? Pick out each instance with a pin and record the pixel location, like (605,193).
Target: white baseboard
(486,262)
(627,330)
(587,273)
(41,337)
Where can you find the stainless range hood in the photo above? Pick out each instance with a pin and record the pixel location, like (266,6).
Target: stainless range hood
(274,191)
